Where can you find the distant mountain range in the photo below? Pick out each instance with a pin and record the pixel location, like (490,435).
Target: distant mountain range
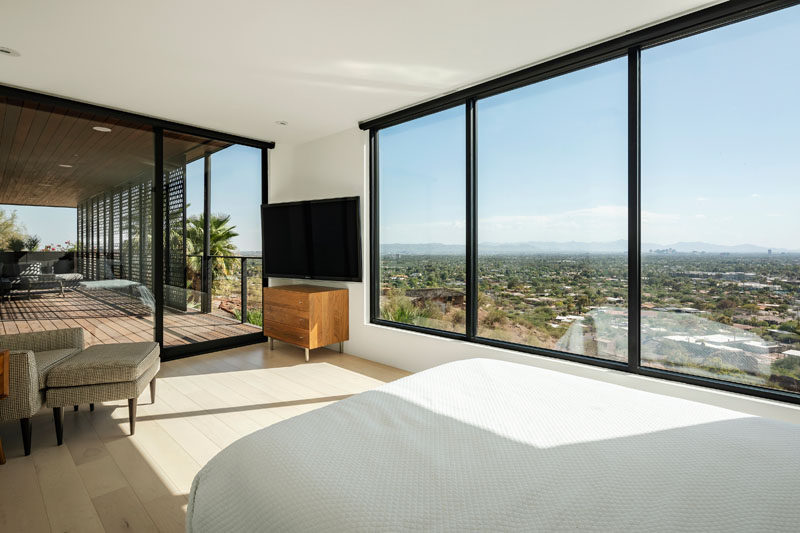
(536,247)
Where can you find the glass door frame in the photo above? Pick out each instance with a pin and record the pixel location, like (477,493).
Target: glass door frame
(185,350)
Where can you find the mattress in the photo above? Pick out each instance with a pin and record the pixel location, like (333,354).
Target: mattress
(485,445)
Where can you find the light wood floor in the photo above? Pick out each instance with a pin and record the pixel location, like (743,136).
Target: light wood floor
(102,479)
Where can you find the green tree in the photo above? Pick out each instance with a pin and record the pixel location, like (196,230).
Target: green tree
(10,228)
(15,244)
(32,243)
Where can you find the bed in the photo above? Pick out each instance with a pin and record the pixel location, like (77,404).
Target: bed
(486,445)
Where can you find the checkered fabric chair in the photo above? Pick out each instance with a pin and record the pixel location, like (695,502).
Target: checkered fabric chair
(33,355)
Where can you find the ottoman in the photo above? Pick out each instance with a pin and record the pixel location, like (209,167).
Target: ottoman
(101,373)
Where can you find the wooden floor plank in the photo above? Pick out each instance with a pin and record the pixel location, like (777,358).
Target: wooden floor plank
(213,427)
(121,511)
(68,505)
(21,504)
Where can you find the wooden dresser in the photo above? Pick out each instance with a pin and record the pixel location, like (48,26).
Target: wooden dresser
(308,316)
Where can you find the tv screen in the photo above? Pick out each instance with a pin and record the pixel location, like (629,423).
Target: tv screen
(317,239)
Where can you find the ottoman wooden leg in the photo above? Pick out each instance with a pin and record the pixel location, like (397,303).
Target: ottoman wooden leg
(153,391)
(2,454)
(132,414)
(58,418)
(25,425)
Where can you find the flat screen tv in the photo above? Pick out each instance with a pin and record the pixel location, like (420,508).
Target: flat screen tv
(316,239)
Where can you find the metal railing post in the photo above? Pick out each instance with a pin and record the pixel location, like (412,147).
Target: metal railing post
(244,289)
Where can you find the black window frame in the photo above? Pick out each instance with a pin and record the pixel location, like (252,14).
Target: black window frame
(630,46)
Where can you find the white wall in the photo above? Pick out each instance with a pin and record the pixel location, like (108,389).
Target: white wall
(337,165)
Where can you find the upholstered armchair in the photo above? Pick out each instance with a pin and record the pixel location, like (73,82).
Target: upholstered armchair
(32,357)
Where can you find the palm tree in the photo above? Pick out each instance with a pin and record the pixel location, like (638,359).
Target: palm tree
(222,234)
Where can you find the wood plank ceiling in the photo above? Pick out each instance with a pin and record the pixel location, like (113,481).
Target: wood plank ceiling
(52,157)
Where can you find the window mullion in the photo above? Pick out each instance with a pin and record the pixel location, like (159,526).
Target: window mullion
(472,222)
(634,208)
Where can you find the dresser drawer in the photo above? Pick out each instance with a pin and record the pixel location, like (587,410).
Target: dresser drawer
(295,300)
(297,318)
(286,333)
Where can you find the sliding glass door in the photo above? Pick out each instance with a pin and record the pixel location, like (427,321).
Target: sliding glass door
(212,240)
(129,227)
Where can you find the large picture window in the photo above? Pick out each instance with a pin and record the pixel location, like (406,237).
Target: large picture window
(552,213)
(422,265)
(720,192)
(632,205)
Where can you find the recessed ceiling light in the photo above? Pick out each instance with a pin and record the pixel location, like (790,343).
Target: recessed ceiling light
(101,128)
(281,123)
(62,165)
(8,52)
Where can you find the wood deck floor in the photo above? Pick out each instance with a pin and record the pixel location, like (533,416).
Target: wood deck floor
(103,479)
(107,316)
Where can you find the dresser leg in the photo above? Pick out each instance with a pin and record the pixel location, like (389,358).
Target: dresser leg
(306,349)
(341,347)
(271,343)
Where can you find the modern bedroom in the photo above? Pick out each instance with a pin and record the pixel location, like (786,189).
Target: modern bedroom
(358,266)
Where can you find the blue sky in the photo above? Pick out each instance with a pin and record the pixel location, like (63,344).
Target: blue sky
(720,159)
(235,186)
(235,191)
(53,225)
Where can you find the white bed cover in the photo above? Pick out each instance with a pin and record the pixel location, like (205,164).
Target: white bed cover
(486,445)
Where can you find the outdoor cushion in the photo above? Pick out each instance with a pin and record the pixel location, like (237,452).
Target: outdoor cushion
(63,266)
(46,266)
(105,363)
(72,276)
(46,360)
(30,269)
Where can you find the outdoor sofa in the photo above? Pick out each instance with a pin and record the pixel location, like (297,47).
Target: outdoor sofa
(37,275)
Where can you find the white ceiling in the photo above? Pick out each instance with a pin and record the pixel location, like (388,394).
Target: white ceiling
(238,66)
